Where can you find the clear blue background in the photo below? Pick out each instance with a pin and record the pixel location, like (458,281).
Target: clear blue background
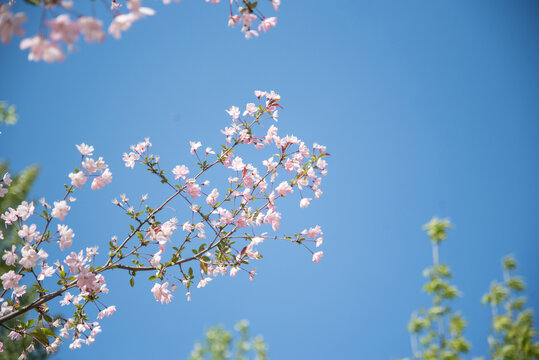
(427,107)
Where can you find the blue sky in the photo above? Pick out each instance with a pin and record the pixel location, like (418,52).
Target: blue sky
(427,108)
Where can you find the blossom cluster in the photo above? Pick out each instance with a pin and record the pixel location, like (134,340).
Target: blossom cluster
(28,258)
(220,218)
(62,25)
(219,233)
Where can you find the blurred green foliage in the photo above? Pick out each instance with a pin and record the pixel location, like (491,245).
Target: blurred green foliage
(7,114)
(221,344)
(437,333)
(512,334)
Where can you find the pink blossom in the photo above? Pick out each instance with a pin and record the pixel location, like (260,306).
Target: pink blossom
(180,171)
(130,159)
(301,182)
(66,236)
(13,335)
(156,259)
(267,24)
(10,257)
(77,179)
(3,191)
(60,209)
(284,188)
(319,147)
(226,217)
(193,190)
(229,131)
(313,232)
(102,180)
(90,28)
(137,10)
(273,218)
(19,291)
(91,166)
(204,281)
(91,252)
(10,280)
(271,133)
(251,253)
(305,202)
(248,18)
(252,274)
(270,164)
(250,109)
(321,163)
(63,29)
(46,271)
(234,111)
(272,95)
(29,257)
(142,146)
(241,221)
(290,165)
(237,164)
(10,24)
(246,196)
(75,261)
(106,312)
(42,254)
(249,180)
(25,210)
(212,197)
(67,299)
(7,179)
(161,293)
(317,256)
(85,149)
(257,240)
(276,4)
(5,308)
(86,280)
(187,226)
(259,93)
(194,146)
(9,216)
(121,23)
(28,232)
(228,159)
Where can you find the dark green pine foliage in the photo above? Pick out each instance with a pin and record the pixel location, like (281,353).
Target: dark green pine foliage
(512,335)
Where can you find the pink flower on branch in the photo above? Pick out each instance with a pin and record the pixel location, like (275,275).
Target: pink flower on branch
(42,49)
(317,256)
(161,293)
(10,24)
(63,30)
